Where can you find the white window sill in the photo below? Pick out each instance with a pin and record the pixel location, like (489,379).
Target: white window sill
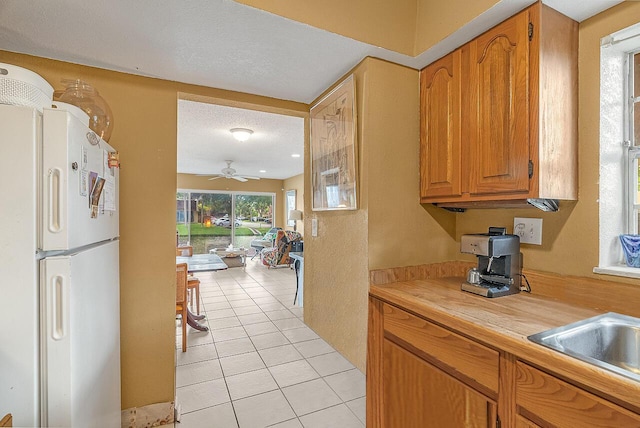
(620,270)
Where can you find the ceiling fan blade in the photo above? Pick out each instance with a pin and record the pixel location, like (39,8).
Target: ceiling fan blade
(237,177)
(250,177)
(216,177)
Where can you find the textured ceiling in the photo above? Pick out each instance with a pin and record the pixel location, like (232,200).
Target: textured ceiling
(216,43)
(205,142)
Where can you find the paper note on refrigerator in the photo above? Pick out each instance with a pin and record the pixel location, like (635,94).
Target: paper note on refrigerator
(109,173)
(84,183)
(109,195)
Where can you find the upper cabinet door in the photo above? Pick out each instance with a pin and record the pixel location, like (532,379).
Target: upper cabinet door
(499,122)
(440,127)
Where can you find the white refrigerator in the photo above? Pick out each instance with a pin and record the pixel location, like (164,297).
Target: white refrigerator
(59,272)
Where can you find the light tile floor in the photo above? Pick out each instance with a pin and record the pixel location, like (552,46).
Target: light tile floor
(259,365)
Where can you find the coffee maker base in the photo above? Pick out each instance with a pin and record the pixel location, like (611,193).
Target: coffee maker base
(489,290)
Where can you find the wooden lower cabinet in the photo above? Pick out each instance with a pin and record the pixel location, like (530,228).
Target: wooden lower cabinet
(419,395)
(412,379)
(550,401)
(420,375)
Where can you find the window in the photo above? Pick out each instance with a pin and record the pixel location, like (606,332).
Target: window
(633,143)
(619,199)
(291,205)
(209,219)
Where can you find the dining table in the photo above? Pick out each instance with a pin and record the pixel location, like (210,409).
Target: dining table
(200,263)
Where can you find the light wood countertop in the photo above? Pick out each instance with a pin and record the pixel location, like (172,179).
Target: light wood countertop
(504,323)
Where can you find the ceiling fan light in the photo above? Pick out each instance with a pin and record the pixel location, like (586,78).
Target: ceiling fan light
(241,134)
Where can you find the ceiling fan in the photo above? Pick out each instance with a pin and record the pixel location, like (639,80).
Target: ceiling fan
(229,172)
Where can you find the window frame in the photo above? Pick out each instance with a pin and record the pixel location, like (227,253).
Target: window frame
(631,190)
(617,164)
(232,215)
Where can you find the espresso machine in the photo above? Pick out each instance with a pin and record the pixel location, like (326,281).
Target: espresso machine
(499,263)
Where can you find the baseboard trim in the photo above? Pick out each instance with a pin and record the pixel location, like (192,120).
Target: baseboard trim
(148,416)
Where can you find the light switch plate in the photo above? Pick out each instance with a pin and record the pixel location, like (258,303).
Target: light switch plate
(528,229)
(314,227)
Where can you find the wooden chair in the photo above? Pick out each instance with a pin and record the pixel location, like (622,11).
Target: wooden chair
(181,300)
(193,287)
(193,283)
(184,251)
(6,421)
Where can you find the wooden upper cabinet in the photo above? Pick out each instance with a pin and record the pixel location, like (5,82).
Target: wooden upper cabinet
(499,115)
(440,127)
(499,122)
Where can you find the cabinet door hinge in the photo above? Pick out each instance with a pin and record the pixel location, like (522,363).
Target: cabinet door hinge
(530,31)
(498,423)
(530,168)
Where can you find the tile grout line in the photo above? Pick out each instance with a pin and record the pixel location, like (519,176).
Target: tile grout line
(226,384)
(224,378)
(279,388)
(231,284)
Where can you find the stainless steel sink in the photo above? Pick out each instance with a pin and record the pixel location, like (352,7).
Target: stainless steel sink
(610,341)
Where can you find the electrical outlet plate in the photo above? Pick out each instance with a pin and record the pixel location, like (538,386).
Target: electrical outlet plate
(314,227)
(528,229)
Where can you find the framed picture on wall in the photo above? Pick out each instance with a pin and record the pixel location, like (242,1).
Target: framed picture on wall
(291,205)
(333,149)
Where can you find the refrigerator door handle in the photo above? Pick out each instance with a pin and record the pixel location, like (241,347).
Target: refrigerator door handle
(59,310)
(54,205)
(56,289)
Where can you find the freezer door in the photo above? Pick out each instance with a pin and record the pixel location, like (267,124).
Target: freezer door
(73,160)
(80,338)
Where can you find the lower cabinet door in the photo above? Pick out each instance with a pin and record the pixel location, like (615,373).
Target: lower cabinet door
(549,401)
(418,394)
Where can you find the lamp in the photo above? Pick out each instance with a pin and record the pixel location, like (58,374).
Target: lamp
(295,215)
(241,134)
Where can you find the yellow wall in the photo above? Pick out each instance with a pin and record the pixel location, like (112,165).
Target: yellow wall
(336,271)
(438,19)
(570,236)
(390,228)
(145,112)
(296,183)
(401,232)
(193,182)
(407,26)
(388,24)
